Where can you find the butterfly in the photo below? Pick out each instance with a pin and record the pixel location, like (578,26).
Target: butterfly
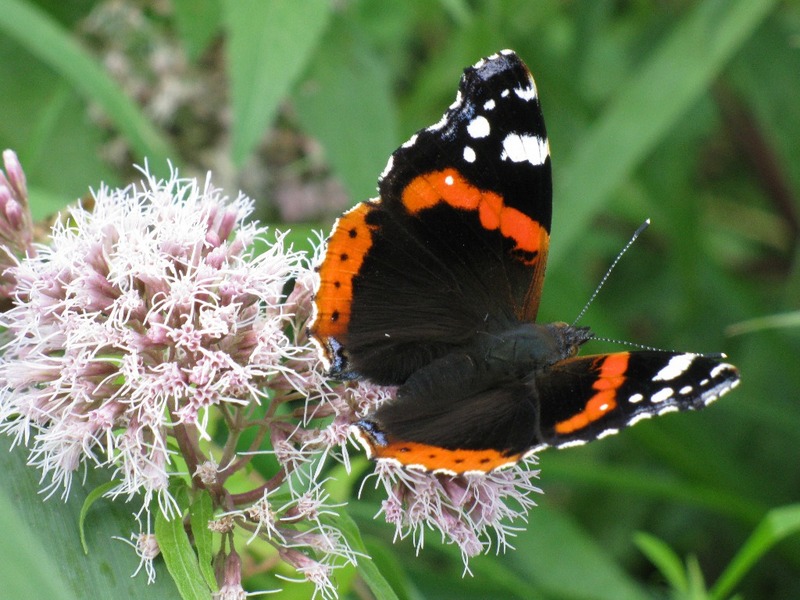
(434,287)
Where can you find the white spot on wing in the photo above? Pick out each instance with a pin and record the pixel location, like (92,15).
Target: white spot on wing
(661,395)
(479,127)
(469,154)
(449,180)
(640,417)
(718,391)
(687,389)
(389,461)
(505,465)
(489,104)
(572,444)
(411,141)
(607,433)
(457,102)
(635,398)
(534,450)
(322,352)
(676,366)
(387,169)
(531,148)
(527,94)
(363,440)
(439,124)
(447,472)
(475,473)
(720,368)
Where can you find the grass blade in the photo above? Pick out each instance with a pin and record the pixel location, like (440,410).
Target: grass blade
(47,40)
(269,46)
(645,109)
(777,525)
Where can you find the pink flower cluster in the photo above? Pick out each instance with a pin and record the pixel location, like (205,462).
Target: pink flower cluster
(134,321)
(16,225)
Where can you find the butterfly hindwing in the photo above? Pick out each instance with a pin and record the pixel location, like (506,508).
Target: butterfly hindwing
(494,430)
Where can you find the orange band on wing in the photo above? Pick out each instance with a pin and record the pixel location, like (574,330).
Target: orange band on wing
(610,378)
(433,458)
(348,245)
(448,186)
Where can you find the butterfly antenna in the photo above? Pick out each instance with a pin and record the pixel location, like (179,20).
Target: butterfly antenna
(600,285)
(712,355)
(630,344)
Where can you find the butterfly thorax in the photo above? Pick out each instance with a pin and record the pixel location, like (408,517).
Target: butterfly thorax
(528,347)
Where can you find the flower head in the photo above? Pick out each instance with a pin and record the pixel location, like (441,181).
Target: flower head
(137,320)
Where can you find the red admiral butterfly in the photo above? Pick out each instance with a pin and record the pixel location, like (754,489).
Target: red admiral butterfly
(434,287)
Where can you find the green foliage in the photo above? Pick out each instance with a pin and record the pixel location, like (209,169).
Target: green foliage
(42,556)
(687,581)
(685,112)
(366,567)
(200,513)
(180,558)
(270,43)
(43,38)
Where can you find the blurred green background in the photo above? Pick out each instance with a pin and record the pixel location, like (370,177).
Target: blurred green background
(687,112)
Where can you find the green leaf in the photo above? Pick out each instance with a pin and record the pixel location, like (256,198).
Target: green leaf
(564,562)
(201,512)
(340,483)
(28,571)
(697,583)
(780,321)
(346,103)
(644,110)
(180,558)
(387,563)
(458,10)
(664,558)
(778,524)
(46,540)
(644,483)
(764,79)
(269,44)
(45,121)
(93,497)
(366,568)
(52,44)
(198,22)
